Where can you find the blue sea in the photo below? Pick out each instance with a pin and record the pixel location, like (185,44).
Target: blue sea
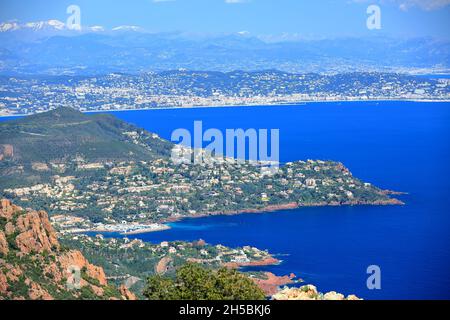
(402,146)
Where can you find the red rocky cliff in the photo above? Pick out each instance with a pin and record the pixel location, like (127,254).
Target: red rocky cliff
(33,265)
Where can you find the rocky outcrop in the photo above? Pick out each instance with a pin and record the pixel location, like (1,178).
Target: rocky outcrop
(3,283)
(7,209)
(36,292)
(164,265)
(126,293)
(33,265)
(270,283)
(35,233)
(309,292)
(6,151)
(75,259)
(268,261)
(3,244)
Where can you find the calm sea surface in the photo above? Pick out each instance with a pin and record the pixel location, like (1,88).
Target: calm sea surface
(402,146)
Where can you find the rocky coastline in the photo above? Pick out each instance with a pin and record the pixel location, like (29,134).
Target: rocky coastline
(290,206)
(310,292)
(271,283)
(269,261)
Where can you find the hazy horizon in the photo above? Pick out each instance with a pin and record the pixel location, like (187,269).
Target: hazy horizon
(265,19)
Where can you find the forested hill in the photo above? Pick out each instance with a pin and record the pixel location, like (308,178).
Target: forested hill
(62,133)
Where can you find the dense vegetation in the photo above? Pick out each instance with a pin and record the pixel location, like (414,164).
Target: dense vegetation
(135,260)
(192,282)
(65,133)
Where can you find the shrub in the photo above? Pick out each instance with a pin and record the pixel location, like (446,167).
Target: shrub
(193,282)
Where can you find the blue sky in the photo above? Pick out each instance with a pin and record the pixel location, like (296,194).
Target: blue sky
(303,18)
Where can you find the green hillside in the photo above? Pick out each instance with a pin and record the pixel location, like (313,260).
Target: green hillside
(64,132)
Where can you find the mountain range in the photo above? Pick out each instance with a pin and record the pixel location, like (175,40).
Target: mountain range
(50,48)
(54,27)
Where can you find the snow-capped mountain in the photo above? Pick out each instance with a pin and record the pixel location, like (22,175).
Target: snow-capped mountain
(96,29)
(9,26)
(32,31)
(56,26)
(128,28)
(49,47)
(45,25)
(50,25)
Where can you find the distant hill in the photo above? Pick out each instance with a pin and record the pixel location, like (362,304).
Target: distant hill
(64,133)
(40,51)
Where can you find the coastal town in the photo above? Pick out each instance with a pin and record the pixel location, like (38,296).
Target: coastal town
(36,262)
(99,192)
(213,159)
(68,224)
(142,188)
(138,196)
(144,258)
(129,262)
(182,89)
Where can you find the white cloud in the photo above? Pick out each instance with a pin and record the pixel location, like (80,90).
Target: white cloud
(404,5)
(425,4)
(226,1)
(236,1)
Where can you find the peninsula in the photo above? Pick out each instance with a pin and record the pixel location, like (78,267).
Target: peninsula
(94,172)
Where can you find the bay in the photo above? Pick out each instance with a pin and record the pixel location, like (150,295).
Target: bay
(403,146)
